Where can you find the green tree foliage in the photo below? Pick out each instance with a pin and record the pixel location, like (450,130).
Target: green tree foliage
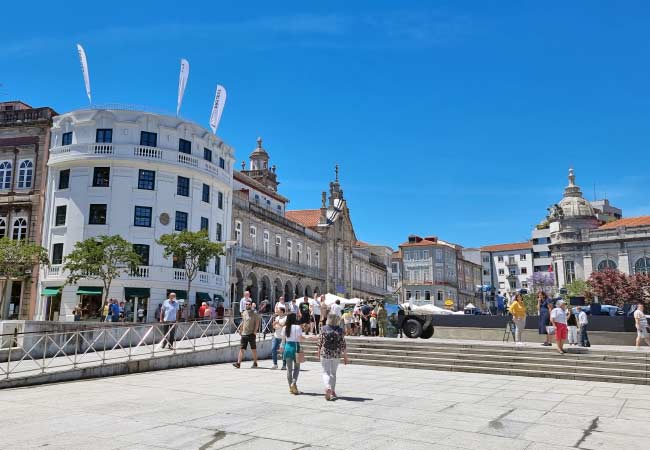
(578,288)
(102,258)
(193,248)
(16,258)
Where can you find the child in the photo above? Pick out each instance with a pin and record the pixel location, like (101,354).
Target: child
(373,324)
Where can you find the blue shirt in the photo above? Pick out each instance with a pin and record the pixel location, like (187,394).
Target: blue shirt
(169,311)
(115,310)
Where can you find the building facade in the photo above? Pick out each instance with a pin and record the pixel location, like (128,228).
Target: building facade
(582,242)
(24,146)
(138,175)
(507,267)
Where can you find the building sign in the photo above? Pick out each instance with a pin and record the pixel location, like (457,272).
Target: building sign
(449,302)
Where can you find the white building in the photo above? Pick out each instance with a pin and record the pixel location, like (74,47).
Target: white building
(138,175)
(507,267)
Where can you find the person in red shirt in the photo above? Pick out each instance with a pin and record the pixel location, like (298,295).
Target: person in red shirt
(202,309)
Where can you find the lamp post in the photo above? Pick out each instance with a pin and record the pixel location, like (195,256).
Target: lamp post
(231,257)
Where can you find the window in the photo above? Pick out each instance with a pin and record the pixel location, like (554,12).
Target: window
(178,262)
(439,295)
(101,176)
(524,284)
(308,256)
(289,250)
(57,254)
(408,295)
(524,270)
(5,175)
(253,233)
(642,265)
(500,258)
(569,272)
(513,272)
(104,135)
(606,264)
(148,139)
(59,218)
(217,265)
(266,242)
(317,259)
(278,242)
(205,224)
(238,232)
(146,179)
(222,163)
(142,216)
(502,285)
(486,272)
(20,229)
(219,232)
(3,227)
(299,253)
(417,295)
(513,284)
(64,179)
(207,154)
(181,221)
(220,200)
(205,196)
(184,146)
(486,259)
(143,252)
(97,214)
(502,272)
(66,138)
(183,186)
(522,257)
(25,174)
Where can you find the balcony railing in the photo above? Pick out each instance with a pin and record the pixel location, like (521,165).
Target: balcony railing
(273,262)
(137,152)
(367,287)
(511,261)
(25,116)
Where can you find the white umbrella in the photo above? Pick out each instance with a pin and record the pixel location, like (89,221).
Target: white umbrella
(470,306)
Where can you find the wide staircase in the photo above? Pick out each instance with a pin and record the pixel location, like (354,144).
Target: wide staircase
(533,360)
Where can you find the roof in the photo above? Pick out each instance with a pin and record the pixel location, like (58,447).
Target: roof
(627,222)
(362,244)
(309,218)
(397,255)
(507,247)
(245,179)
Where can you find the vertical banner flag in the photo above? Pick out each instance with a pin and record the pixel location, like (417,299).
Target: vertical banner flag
(182,82)
(84,70)
(217,107)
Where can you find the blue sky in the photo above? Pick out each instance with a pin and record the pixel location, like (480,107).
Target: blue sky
(451,118)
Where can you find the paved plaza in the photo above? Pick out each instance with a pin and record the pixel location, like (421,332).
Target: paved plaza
(214,407)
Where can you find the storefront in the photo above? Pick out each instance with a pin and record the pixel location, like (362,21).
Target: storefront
(136,304)
(90,301)
(52,302)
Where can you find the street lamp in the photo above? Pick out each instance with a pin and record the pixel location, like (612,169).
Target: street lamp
(231,256)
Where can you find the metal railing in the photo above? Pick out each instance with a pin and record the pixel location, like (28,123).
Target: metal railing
(37,353)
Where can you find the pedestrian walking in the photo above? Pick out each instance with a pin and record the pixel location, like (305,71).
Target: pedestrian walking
(572,324)
(641,323)
(544,307)
(115,311)
(141,314)
(366,310)
(583,322)
(347,322)
(558,319)
(382,320)
(106,312)
(202,309)
(324,310)
(401,315)
(501,306)
(304,314)
(518,311)
(279,321)
(279,304)
(331,346)
(249,327)
(292,351)
(315,313)
(169,316)
(373,323)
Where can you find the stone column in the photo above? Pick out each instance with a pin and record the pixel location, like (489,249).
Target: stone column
(624,262)
(588,266)
(559,266)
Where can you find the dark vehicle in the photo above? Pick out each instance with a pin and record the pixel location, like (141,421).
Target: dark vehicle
(417,324)
(605,310)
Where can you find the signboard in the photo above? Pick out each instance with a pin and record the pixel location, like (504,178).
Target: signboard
(449,302)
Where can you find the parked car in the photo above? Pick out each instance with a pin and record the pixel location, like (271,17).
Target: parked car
(605,310)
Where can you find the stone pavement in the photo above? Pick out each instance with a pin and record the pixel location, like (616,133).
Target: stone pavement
(213,407)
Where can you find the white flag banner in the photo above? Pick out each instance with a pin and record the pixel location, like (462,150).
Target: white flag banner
(217,107)
(84,70)
(182,82)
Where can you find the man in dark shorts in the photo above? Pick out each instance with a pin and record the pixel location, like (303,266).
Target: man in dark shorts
(249,327)
(304,315)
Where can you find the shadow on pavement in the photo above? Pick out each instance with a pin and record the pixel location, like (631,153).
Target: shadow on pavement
(345,399)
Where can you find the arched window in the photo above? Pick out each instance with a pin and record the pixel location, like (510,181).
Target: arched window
(5,175)
(253,232)
(25,174)
(642,265)
(606,264)
(20,229)
(3,227)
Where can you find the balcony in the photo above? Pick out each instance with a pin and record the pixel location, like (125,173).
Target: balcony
(25,116)
(136,153)
(511,261)
(246,254)
(367,287)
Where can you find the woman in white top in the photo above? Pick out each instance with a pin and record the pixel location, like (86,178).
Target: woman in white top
(293,337)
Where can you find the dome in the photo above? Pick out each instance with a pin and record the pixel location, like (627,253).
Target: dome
(259,152)
(573,204)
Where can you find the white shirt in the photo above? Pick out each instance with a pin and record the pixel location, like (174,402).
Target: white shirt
(315,307)
(169,310)
(242,304)
(292,307)
(582,318)
(558,315)
(279,332)
(296,333)
(336,309)
(643,321)
(277,307)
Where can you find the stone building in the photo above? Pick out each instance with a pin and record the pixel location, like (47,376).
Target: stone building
(300,252)
(24,146)
(581,242)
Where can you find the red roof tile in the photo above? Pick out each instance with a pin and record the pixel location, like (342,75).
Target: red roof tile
(627,222)
(507,247)
(309,218)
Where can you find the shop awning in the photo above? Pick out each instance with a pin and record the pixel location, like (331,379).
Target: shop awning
(137,292)
(54,290)
(90,290)
(180,294)
(219,298)
(203,297)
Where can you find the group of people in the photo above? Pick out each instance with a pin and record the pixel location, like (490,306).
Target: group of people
(292,325)
(113,311)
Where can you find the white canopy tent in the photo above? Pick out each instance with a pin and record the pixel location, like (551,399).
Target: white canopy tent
(470,306)
(331,298)
(428,308)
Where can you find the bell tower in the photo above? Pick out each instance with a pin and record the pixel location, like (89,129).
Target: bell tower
(259,169)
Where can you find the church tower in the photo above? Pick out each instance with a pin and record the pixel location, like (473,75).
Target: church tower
(259,169)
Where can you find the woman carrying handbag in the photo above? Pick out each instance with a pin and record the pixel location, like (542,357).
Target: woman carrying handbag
(293,354)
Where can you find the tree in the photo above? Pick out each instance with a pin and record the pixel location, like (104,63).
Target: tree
(102,258)
(613,287)
(578,288)
(16,258)
(193,249)
(541,281)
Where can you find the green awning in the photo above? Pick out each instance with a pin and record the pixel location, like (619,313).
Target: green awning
(90,290)
(137,292)
(54,290)
(203,297)
(219,298)
(180,294)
